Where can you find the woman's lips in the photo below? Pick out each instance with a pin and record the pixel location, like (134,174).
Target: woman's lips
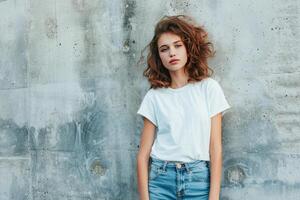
(174,61)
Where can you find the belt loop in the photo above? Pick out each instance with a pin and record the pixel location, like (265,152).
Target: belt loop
(165,164)
(208,164)
(187,167)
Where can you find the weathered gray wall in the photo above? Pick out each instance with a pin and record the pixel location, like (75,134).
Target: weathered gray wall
(70,88)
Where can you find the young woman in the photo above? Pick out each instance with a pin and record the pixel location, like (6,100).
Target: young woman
(183,108)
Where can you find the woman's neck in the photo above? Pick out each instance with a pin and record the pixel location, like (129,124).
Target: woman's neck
(179,79)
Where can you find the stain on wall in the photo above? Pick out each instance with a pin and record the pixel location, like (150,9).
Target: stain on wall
(13,139)
(70,87)
(51,28)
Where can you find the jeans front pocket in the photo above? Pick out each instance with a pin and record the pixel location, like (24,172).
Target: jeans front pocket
(155,171)
(200,173)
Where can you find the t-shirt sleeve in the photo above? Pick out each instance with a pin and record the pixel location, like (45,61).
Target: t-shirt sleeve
(147,109)
(216,99)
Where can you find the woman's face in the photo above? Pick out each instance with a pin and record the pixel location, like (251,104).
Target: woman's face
(172,51)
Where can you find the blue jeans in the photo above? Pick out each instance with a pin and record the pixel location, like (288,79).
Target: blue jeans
(170,180)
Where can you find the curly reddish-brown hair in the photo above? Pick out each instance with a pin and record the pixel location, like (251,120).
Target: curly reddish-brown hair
(198,49)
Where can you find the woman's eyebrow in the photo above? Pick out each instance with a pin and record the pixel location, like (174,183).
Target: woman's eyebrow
(177,41)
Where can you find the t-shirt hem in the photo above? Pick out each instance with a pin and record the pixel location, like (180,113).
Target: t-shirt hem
(222,110)
(148,117)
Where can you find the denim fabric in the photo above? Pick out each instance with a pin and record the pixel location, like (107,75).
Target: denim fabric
(170,180)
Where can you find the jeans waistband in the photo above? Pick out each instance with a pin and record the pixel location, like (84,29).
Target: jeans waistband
(188,165)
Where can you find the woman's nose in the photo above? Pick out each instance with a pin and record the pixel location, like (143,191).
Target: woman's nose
(172,52)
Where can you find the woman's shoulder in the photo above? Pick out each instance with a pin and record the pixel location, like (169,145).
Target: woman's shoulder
(207,81)
(209,84)
(152,92)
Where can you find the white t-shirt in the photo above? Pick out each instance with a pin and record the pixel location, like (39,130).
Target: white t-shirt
(182,117)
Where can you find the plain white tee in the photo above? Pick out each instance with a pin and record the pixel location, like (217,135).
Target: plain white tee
(182,117)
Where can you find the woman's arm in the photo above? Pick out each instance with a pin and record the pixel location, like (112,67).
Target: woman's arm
(146,142)
(215,151)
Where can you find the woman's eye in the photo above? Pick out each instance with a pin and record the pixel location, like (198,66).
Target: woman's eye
(163,50)
(178,45)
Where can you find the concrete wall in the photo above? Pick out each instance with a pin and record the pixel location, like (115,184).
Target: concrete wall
(70,89)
